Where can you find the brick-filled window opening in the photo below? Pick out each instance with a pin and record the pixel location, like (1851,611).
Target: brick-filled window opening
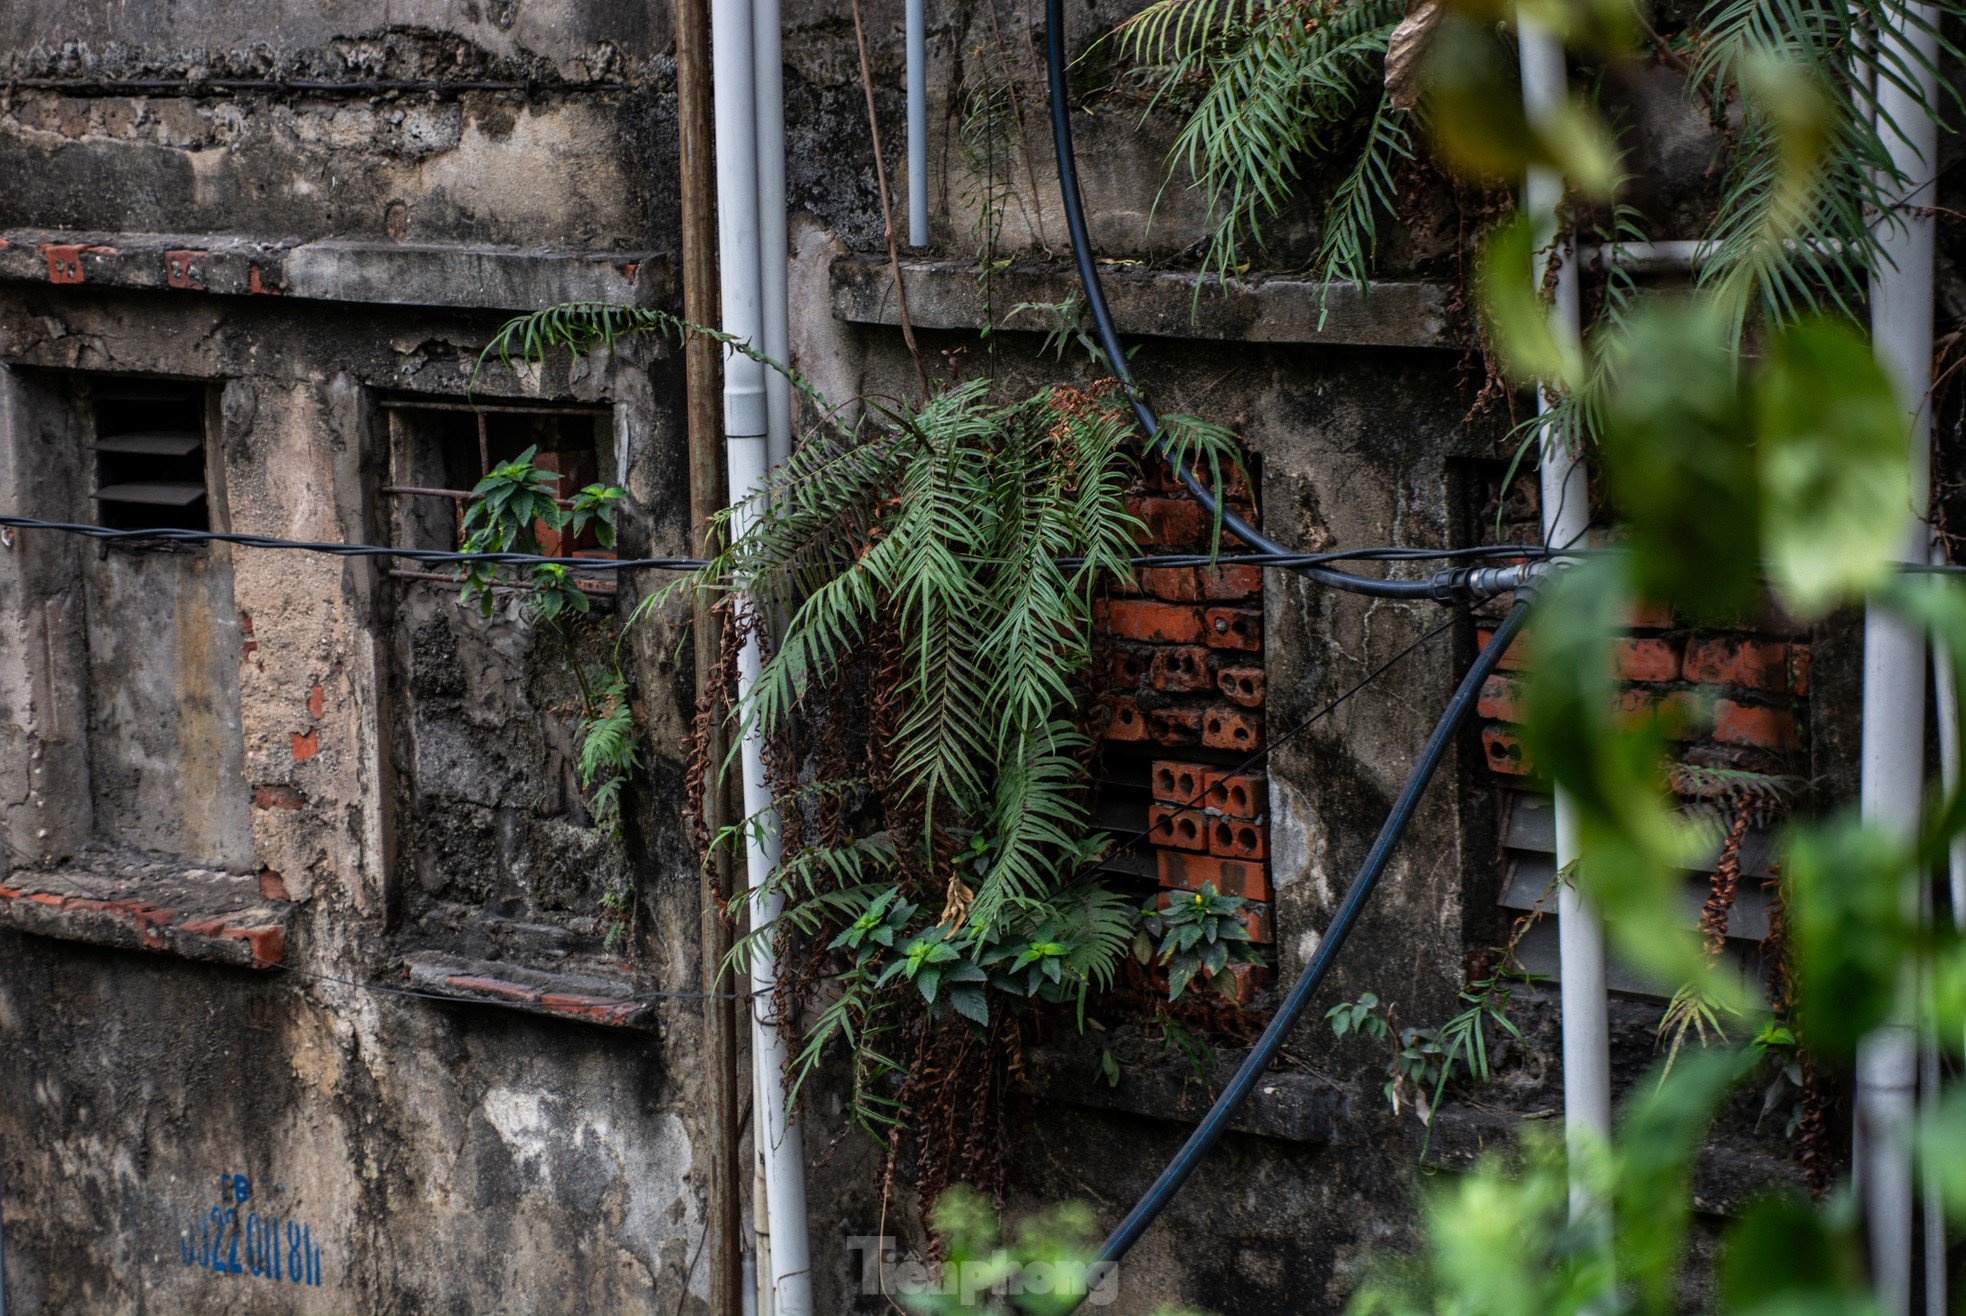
(439,450)
(1180,706)
(149,453)
(1739,695)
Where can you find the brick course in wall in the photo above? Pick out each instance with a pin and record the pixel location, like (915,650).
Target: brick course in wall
(1181,694)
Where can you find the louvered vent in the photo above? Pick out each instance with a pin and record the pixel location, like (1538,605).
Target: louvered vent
(150,455)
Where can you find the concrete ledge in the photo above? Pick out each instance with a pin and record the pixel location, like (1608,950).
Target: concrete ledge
(369,273)
(139,904)
(1154,1085)
(592,998)
(943,294)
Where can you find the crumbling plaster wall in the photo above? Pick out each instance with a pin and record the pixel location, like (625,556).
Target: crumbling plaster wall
(445,1156)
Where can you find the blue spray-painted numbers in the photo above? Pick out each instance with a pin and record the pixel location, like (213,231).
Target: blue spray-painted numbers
(262,1246)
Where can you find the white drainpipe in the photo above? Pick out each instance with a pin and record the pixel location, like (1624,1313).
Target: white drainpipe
(1566,514)
(918,123)
(747,413)
(1893,747)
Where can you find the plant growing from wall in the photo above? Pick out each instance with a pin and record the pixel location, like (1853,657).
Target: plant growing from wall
(923,699)
(508,511)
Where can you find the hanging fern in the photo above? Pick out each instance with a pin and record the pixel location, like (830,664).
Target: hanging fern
(931,575)
(1279,88)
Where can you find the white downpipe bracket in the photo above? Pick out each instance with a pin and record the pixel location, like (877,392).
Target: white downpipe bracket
(918,123)
(1892,755)
(1566,515)
(735,52)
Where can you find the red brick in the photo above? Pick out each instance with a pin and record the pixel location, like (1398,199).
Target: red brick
(1512,660)
(1229,728)
(1646,660)
(1230,584)
(1230,877)
(1175,584)
(1236,794)
(1799,657)
(1242,686)
(277,797)
(1501,699)
(1126,668)
(317,700)
(1178,829)
(1745,724)
(1175,726)
(1751,664)
(1182,784)
(1678,708)
(306,744)
(1181,669)
(1256,918)
(1651,617)
(1238,838)
(600,1009)
(268,945)
(272,886)
(1123,721)
(64,261)
(258,283)
(185,269)
(482,986)
(1170,522)
(1504,752)
(1244,982)
(1153,622)
(1234,628)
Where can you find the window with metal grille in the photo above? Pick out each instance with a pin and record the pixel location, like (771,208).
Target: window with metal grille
(440,449)
(149,447)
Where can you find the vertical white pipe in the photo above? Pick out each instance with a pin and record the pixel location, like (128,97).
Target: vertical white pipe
(1946,698)
(780,1140)
(734,55)
(1893,748)
(918,123)
(1566,515)
(774,253)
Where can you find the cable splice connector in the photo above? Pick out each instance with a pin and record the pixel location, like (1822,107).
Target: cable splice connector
(1463,585)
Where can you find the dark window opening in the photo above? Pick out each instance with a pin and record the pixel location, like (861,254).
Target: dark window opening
(441,449)
(149,447)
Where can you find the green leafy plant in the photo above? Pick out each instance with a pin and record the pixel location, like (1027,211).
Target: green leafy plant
(1201,934)
(507,512)
(1274,91)
(1425,1061)
(930,575)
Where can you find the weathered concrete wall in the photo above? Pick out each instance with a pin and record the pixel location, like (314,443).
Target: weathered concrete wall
(402,765)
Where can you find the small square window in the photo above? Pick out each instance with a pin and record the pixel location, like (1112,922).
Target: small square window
(441,449)
(149,448)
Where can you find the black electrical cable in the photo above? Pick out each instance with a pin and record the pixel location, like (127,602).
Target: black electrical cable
(1236,1091)
(1109,339)
(437,557)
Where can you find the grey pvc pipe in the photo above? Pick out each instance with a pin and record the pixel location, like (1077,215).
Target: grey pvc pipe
(774,253)
(1566,515)
(1892,752)
(918,123)
(734,50)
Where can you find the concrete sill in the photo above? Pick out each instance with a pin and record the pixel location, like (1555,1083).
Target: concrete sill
(605,999)
(1299,1108)
(944,294)
(134,903)
(335,270)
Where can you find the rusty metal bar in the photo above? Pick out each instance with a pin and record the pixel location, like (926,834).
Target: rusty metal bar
(514,408)
(696,165)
